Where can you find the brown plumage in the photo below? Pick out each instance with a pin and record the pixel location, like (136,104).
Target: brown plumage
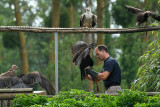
(88,19)
(10,72)
(142,16)
(81,56)
(26,81)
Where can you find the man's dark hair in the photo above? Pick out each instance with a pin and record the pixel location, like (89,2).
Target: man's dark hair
(100,47)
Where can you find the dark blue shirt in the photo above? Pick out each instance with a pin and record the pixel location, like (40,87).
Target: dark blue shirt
(112,66)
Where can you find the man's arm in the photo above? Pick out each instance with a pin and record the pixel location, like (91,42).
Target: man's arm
(94,76)
(103,76)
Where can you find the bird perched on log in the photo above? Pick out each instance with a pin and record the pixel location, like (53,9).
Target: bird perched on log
(26,81)
(81,56)
(88,19)
(142,16)
(10,72)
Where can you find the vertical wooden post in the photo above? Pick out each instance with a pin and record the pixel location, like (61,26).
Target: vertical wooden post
(100,39)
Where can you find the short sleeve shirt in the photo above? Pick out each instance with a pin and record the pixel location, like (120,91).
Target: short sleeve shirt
(112,66)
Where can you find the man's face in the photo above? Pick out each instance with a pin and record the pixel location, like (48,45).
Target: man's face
(100,54)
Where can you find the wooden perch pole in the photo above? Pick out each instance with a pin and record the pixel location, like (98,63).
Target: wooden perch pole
(75,30)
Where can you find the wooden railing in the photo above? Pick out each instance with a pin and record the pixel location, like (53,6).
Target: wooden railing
(76,30)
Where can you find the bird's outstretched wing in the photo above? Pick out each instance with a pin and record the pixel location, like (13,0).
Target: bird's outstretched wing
(77,49)
(133,9)
(94,20)
(153,15)
(80,50)
(37,77)
(84,54)
(79,45)
(7,81)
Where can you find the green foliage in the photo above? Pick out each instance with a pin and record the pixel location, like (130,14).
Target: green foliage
(128,56)
(64,18)
(121,15)
(29,100)
(109,100)
(76,94)
(152,102)
(11,40)
(38,47)
(149,71)
(73,97)
(7,14)
(36,105)
(94,102)
(129,98)
(81,98)
(127,46)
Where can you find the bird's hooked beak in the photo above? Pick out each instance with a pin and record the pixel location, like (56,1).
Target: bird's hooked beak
(88,9)
(15,66)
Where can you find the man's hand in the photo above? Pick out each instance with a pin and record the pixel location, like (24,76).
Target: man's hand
(86,76)
(92,73)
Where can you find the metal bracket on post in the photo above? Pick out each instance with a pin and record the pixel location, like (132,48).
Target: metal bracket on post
(56,62)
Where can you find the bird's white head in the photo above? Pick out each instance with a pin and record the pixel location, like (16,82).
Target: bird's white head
(14,66)
(88,10)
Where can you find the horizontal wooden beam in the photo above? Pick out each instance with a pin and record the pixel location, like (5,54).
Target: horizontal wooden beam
(15,90)
(76,30)
(11,93)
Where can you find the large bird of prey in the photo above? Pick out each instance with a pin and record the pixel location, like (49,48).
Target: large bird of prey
(26,81)
(88,19)
(81,56)
(142,16)
(10,72)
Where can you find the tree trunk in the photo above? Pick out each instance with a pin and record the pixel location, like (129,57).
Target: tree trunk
(23,52)
(55,23)
(100,24)
(70,12)
(146,37)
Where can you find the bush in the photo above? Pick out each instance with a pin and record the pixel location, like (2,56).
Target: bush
(28,100)
(80,98)
(129,98)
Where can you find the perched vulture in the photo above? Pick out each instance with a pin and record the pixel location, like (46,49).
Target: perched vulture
(26,81)
(88,19)
(142,16)
(11,72)
(81,56)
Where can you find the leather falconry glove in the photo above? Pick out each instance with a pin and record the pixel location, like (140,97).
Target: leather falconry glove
(92,73)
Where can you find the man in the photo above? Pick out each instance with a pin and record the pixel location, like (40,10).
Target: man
(110,73)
